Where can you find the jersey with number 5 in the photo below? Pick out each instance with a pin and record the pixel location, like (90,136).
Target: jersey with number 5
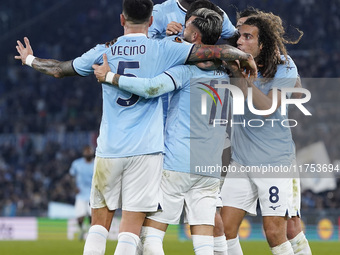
(132,125)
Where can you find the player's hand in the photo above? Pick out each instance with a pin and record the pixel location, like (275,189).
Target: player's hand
(23,51)
(233,67)
(100,71)
(235,70)
(249,66)
(173,28)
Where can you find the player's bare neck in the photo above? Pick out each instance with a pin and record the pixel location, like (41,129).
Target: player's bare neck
(197,42)
(135,28)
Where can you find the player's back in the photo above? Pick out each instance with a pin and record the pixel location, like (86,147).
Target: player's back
(132,125)
(163,14)
(189,134)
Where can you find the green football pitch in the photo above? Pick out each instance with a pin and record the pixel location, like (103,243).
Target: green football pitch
(52,240)
(171,247)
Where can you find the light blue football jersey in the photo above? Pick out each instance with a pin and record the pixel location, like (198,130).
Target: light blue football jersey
(272,143)
(171,10)
(132,125)
(193,144)
(83,172)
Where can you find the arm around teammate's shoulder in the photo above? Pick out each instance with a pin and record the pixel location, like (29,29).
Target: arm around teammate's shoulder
(144,87)
(224,52)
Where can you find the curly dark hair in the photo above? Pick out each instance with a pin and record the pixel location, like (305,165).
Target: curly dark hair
(273,41)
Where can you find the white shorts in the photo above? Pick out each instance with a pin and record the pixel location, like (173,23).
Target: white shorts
(82,208)
(242,191)
(296,197)
(196,193)
(130,183)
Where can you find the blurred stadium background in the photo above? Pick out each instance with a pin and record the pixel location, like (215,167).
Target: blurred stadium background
(44,122)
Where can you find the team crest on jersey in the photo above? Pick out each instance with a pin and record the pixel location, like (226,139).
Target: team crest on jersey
(178,39)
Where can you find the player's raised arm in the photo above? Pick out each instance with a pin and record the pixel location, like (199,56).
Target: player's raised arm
(224,52)
(145,87)
(55,68)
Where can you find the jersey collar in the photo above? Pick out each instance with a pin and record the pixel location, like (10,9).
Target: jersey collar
(135,34)
(181,7)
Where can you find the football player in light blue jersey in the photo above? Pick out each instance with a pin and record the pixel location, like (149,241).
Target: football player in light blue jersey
(267,145)
(295,233)
(185,118)
(189,135)
(82,170)
(169,19)
(132,55)
(128,171)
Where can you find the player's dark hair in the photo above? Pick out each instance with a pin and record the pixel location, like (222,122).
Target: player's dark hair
(271,36)
(190,1)
(137,11)
(249,11)
(203,4)
(209,23)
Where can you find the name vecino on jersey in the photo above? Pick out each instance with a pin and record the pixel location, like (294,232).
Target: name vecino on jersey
(128,50)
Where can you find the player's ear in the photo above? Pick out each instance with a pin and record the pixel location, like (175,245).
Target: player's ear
(150,21)
(194,36)
(122,20)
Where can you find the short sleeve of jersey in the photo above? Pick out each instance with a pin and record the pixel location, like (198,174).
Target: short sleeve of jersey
(286,75)
(228,29)
(179,50)
(157,27)
(180,75)
(83,64)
